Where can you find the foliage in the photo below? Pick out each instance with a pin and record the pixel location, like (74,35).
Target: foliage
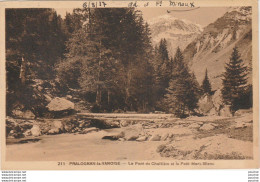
(102,56)
(206,86)
(30,54)
(162,72)
(234,81)
(182,93)
(109,49)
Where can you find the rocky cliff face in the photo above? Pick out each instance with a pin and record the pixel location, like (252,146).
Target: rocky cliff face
(176,31)
(213,47)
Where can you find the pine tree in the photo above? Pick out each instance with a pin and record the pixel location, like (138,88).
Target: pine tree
(234,81)
(74,20)
(163,50)
(206,86)
(181,97)
(106,55)
(162,72)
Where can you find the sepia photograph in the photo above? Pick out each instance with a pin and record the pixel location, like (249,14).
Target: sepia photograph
(120,84)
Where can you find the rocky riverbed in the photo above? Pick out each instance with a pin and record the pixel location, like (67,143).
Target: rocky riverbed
(130,137)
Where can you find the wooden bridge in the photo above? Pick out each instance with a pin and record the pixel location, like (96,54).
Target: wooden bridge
(127,116)
(105,120)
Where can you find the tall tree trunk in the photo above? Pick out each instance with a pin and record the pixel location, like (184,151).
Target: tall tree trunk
(128,83)
(22,71)
(98,96)
(108,97)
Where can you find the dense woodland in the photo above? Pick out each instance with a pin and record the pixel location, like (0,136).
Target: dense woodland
(102,57)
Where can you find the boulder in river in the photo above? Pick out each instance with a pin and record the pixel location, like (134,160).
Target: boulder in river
(125,123)
(89,130)
(103,123)
(130,133)
(53,131)
(194,126)
(114,136)
(60,104)
(35,130)
(155,137)
(27,133)
(56,127)
(207,126)
(58,124)
(141,138)
(23,114)
(133,132)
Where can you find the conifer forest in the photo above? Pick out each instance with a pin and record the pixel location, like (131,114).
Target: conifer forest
(157,79)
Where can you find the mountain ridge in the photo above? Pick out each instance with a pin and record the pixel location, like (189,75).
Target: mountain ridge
(177,32)
(213,47)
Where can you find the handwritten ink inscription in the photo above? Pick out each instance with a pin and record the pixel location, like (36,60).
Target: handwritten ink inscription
(134,4)
(94,4)
(162,3)
(182,4)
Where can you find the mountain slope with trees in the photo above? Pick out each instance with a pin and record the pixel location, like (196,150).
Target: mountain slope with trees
(104,60)
(215,44)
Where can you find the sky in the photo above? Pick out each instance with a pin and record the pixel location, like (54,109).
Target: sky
(202,16)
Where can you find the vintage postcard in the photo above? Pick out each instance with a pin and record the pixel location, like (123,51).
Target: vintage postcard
(129,85)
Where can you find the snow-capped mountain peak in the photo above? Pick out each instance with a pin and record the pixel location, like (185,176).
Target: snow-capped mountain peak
(170,22)
(177,32)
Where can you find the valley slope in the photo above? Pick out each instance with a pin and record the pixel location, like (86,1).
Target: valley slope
(212,49)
